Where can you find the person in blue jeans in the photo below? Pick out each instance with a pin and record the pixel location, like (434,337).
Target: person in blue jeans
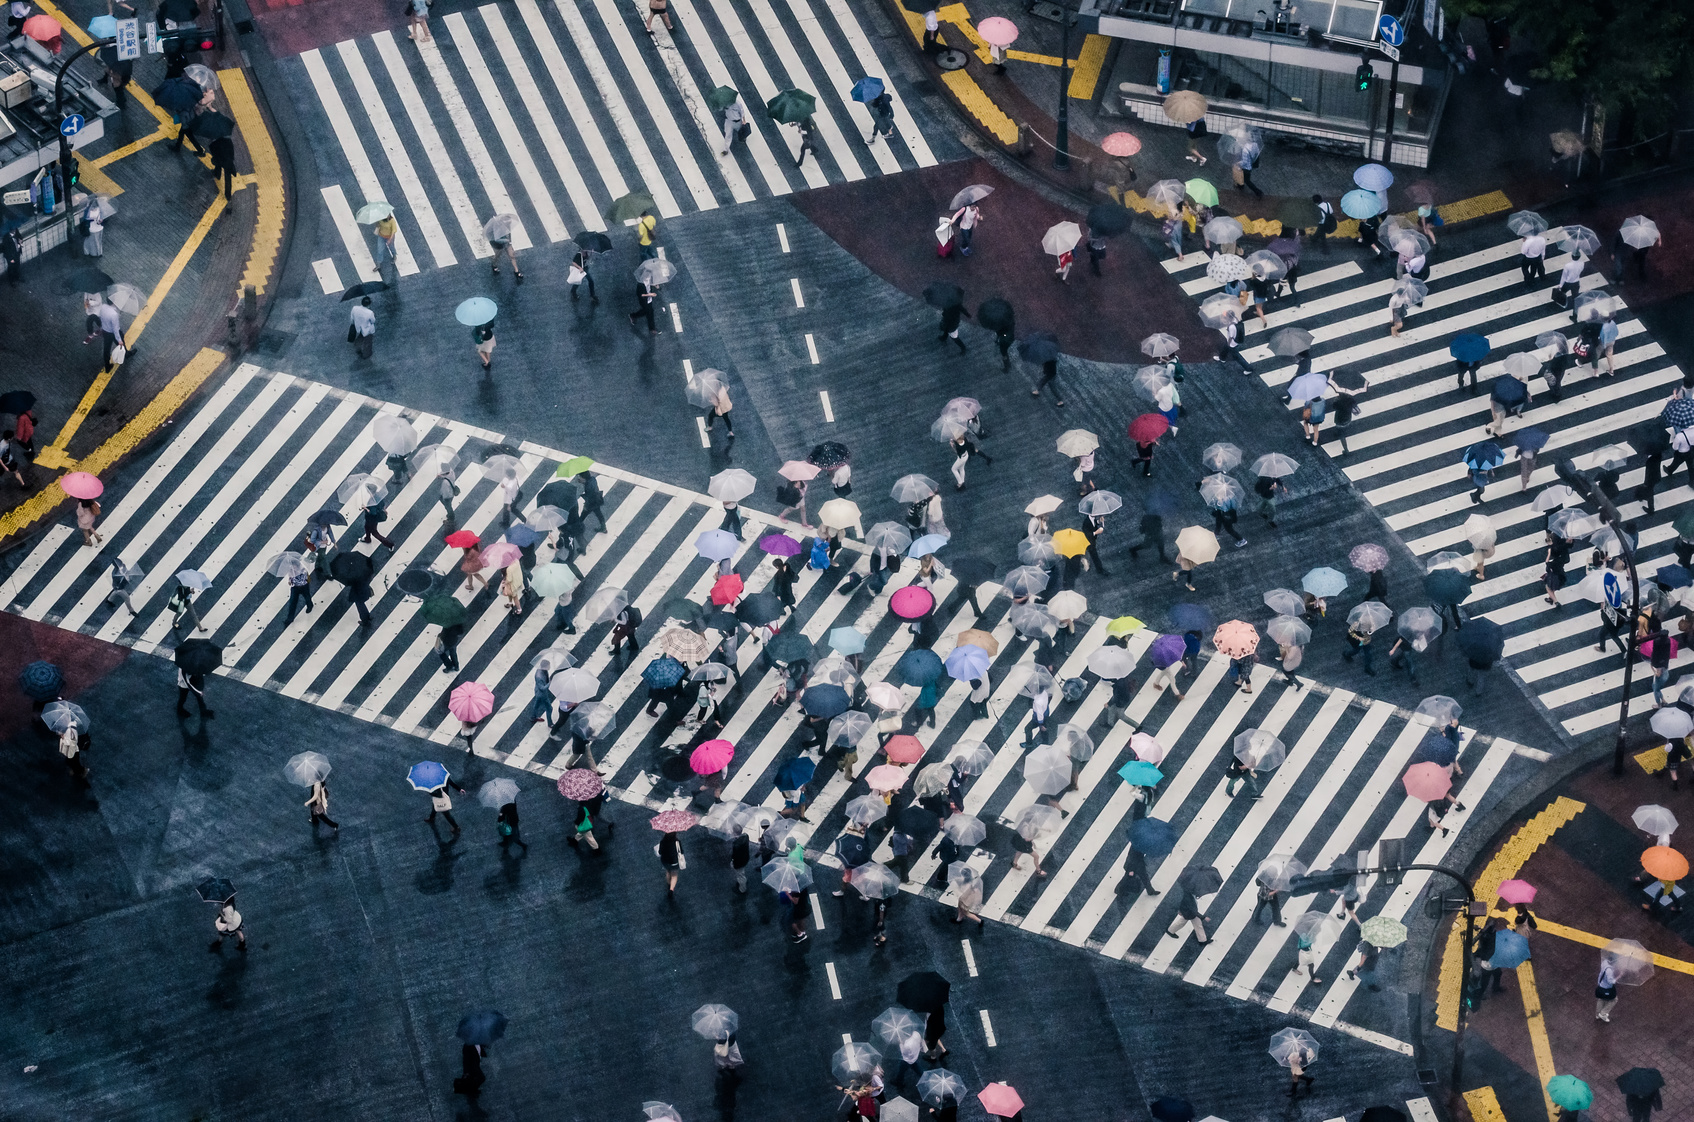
(1659,658)
(1359,640)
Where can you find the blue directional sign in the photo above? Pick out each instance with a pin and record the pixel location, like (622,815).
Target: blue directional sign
(1392,33)
(71,125)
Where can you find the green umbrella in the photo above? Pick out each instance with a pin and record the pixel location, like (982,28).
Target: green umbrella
(1380,931)
(1684,525)
(1569,1092)
(574,467)
(632,205)
(721,98)
(790,107)
(1201,191)
(443,610)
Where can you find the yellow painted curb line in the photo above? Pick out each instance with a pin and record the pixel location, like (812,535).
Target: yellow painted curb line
(981,106)
(1536,1021)
(83,38)
(1484,1107)
(266,177)
(155,413)
(1548,927)
(1653,759)
(1085,71)
(1532,835)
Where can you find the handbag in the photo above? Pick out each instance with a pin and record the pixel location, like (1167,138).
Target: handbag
(505,829)
(352,334)
(575,275)
(119,353)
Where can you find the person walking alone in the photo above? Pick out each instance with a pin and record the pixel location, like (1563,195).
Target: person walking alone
(483,337)
(734,124)
(580,274)
(122,574)
(671,859)
(718,408)
(1532,258)
(87,514)
(806,128)
(440,802)
(228,923)
(965,221)
(503,247)
(950,316)
(645,297)
(361,332)
(299,589)
(882,117)
(317,806)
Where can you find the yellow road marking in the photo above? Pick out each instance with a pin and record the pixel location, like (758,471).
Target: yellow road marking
(271,208)
(155,413)
(1532,835)
(981,106)
(84,39)
(1538,1041)
(1085,72)
(1548,927)
(98,181)
(1653,759)
(129,149)
(1484,1107)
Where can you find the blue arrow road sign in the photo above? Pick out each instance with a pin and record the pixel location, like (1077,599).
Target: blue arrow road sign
(71,125)
(1391,31)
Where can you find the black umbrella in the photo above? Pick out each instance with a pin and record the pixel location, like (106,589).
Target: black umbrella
(212,126)
(351,569)
(824,701)
(830,455)
(85,279)
(973,568)
(1108,219)
(482,1028)
(179,11)
(924,992)
(721,621)
(199,656)
(759,609)
(1483,641)
(917,820)
(364,288)
(327,518)
(594,241)
(853,850)
(215,890)
(17,401)
(1039,346)
(789,646)
(1649,436)
(1350,380)
(1169,1108)
(1641,1081)
(944,295)
(559,493)
(1447,586)
(1383,1114)
(996,315)
(685,610)
(1201,880)
(416,582)
(178,96)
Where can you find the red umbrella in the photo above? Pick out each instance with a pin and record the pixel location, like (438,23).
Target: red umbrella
(673,821)
(911,602)
(1121,144)
(727,589)
(1147,428)
(711,757)
(904,749)
(470,702)
(580,784)
(462,539)
(44,29)
(1427,781)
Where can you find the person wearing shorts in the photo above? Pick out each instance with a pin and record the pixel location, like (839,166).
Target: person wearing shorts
(658,9)
(483,337)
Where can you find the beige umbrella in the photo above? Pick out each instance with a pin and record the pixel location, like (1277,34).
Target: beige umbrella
(1198,544)
(1077,442)
(1067,605)
(839,514)
(1566,143)
(1061,237)
(1185,107)
(981,639)
(1046,504)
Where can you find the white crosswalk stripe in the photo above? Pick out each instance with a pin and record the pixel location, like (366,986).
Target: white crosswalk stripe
(1405,448)
(570,106)
(266,451)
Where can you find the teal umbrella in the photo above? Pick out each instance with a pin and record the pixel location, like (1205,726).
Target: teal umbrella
(790,107)
(476,311)
(1140,773)
(1569,1092)
(721,98)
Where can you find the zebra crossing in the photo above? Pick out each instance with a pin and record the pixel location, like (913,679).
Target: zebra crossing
(550,111)
(1406,443)
(242,475)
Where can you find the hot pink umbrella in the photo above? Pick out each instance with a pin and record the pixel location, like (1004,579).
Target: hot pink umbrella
(499,555)
(1517,891)
(999,1099)
(711,757)
(886,777)
(580,784)
(81,485)
(470,702)
(911,602)
(1427,781)
(998,31)
(1121,144)
(727,589)
(673,821)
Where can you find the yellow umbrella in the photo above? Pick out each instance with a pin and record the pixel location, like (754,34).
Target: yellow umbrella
(1074,543)
(1198,544)
(975,638)
(1124,625)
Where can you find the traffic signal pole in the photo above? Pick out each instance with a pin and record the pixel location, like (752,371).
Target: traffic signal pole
(1388,130)
(67,155)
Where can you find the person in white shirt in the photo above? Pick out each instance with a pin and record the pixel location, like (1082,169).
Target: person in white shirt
(734,120)
(965,219)
(1533,258)
(1570,279)
(511,491)
(931,32)
(364,328)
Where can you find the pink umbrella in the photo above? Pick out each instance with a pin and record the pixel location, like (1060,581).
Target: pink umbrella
(673,821)
(580,784)
(1000,1099)
(711,757)
(470,702)
(911,602)
(903,749)
(81,485)
(499,555)
(798,470)
(998,31)
(727,589)
(1146,748)
(1427,781)
(886,777)
(1517,891)
(1121,144)
(1368,557)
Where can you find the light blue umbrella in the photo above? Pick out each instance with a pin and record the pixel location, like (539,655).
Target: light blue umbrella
(1373,177)
(1324,581)
(1510,950)
(845,640)
(1140,773)
(476,311)
(1360,204)
(103,27)
(427,776)
(929,543)
(717,545)
(967,662)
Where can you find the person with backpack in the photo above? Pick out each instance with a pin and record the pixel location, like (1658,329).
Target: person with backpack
(882,117)
(792,494)
(623,630)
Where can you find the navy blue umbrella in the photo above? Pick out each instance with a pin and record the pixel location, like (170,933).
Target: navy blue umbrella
(178,96)
(1484,455)
(1039,346)
(1508,391)
(1192,617)
(1169,1108)
(1679,412)
(522,535)
(1152,836)
(1468,347)
(1447,586)
(1483,641)
(1438,748)
(482,1028)
(41,681)
(1673,576)
(1530,439)
(663,672)
(853,850)
(1160,501)
(794,774)
(917,668)
(826,701)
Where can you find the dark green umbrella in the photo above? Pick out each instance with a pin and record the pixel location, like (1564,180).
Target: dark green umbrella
(443,610)
(790,107)
(685,610)
(1447,586)
(632,205)
(199,656)
(759,609)
(721,98)
(1684,525)
(789,646)
(1299,213)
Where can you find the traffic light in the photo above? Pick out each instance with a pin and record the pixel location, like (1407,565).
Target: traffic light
(1362,77)
(68,167)
(1390,858)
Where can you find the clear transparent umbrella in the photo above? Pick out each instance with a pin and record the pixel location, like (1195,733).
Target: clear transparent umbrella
(866,809)
(848,728)
(1630,961)
(911,488)
(362,489)
(971,757)
(593,720)
(497,793)
(1224,230)
(896,1022)
(702,388)
(1523,223)
(1275,465)
(1221,456)
(1370,616)
(1285,601)
(965,829)
(1291,630)
(932,779)
(394,434)
(874,880)
(938,1085)
(854,1060)
(1160,345)
(1047,770)
(1037,821)
(1289,1042)
(306,768)
(716,1022)
(1639,232)
(1420,625)
(1074,741)
(1259,750)
(1277,872)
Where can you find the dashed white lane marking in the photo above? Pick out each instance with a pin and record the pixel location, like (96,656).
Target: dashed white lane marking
(332,286)
(812,348)
(834,983)
(828,413)
(782,236)
(817,910)
(705,440)
(970,957)
(799,297)
(988,1028)
(676,320)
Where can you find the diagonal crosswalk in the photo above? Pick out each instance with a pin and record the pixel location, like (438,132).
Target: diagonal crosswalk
(267,450)
(1405,446)
(550,111)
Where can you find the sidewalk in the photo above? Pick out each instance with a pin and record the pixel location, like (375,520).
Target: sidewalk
(176,239)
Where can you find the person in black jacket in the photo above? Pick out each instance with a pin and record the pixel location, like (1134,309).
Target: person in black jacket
(508,816)
(950,325)
(470,1057)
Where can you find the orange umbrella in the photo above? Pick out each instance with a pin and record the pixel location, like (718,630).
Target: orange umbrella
(983,639)
(904,749)
(1664,862)
(1070,543)
(1237,638)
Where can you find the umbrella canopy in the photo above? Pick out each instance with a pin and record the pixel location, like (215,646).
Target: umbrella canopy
(593,720)
(1437,749)
(1483,640)
(1672,723)
(1039,346)
(790,107)
(1197,544)
(352,569)
(1236,638)
(886,777)
(1427,782)
(1324,581)
(731,485)
(1120,144)
(1025,580)
(715,1022)
(1382,931)
(1100,502)
(216,890)
(1277,872)
(967,662)
(913,488)
(711,757)
(81,485)
(1047,769)
(1185,107)
(673,821)
(965,829)
(1070,543)
(85,279)
(1579,238)
(1370,616)
(197,656)
(1201,880)
(1108,219)
(1226,267)
(1111,663)
(938,1086)
(971,757)
(1569,1092)
(443,610)
(911,602)
(1373,177)
(1148,428)
(1220,310)
(663,672)
(1511,950)
(1290,341)
(1523,223)
(720,545)
(1287,1043)
(722,97)
(1517,892)
(944,295)
(1221,456)
(827,700)
(904,749)
(1072,442)
(580,784)
(727,589)
(630,206)
(552,579)
(605,604)
(1222,230)
(1000,1099)
(1153,836)
(1075,742)
(925,992)
(1289,629)
(853,1060)
(1032,620)
(1061,237)
(306,768)
(889,537)
(1640,1081)
(476,311)
(1445,586)
(62,715)
(470,702)
(1260,750)
(1361,204)
(1140,773)
(785,876)
(1160,345)
(497,793)
(1665,863)
(1652,819)
(1275,465)
(427,776)
(1201,191)
(866,809)
(573,685)
(1639,232)
(1266,265)
(1285,601)
(838,514)
(975,193)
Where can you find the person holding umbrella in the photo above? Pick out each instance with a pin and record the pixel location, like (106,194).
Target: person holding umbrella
(952,309)
(645,294)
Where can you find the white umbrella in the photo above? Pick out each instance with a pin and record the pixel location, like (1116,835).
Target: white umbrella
(573,685)
(1046,504)
(126,298)
(1067,605)
(1111,663)
(496,793)
(1061,238)
(1672,723)
(1479,531)
(1047,770)
(1655,820)
(1639,232)
(1226,267)
(731,485)
(432,459)
(1077,442)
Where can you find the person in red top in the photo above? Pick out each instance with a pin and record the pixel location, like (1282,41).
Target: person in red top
(24,432)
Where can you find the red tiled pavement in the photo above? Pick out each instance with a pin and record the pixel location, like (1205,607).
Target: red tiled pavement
(82,660)
(293,26)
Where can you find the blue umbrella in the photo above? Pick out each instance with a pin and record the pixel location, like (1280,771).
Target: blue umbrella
(476,311)
(853,850)
(1469,347)
(1678,412)
(1437,748)
(1140,773)
(716,545)
(41,681)
(103,27)
(427,776)
(794,774)
(1373,177)
(1533,439)
(1511,950)
(1484,640)
(846,641)
(523,536)
(1324,581)
(867,90)
(664,672)
(1508,391)
(482,1028)
(178,95)
(827,700)
(1192,617)
(1673,576)
(1484,455)
(1360,204)
(917,668)
(970,662)
(929,543)
(1152,836)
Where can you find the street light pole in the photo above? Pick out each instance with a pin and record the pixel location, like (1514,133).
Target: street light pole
(1062,145)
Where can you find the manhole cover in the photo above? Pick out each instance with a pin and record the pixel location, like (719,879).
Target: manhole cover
(951,60)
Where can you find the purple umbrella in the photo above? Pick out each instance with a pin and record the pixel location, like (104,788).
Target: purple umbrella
(1167,650)
(779,545)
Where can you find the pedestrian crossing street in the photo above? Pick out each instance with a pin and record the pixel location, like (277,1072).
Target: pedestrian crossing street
(549,110)
(264,452)
(1408,441)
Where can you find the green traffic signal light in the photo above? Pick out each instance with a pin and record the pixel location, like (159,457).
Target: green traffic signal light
(1363,76)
